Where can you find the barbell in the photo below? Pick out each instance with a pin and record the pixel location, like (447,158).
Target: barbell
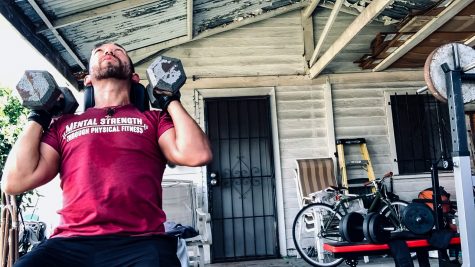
(418,218)
(452,54)
(355,227)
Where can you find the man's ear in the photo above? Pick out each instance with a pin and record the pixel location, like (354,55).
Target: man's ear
(135,78)
(87,80)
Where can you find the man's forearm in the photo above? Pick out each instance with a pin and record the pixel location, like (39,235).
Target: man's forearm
(24,156)
(191,141)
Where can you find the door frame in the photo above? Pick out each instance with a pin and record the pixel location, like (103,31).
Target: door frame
(201,94)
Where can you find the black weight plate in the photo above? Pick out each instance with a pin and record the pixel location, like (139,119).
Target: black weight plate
(366,221)
(418,218)
(351,227)
(376,226)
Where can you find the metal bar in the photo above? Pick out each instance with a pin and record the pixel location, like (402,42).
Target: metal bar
(407,121)
(462,169)
(220,176)
(240,171)
(421,98)
(430,105)
(231,178)
(397,121)
(260,103)
(251,176)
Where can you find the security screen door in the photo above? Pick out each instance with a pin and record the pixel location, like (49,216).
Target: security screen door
(241,181)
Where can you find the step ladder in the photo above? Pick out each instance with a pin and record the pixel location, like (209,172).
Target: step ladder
(363,163)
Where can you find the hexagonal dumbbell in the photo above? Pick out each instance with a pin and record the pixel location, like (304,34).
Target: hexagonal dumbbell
(166,76)
(39,91)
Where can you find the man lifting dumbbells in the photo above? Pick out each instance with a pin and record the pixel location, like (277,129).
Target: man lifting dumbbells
(111,160)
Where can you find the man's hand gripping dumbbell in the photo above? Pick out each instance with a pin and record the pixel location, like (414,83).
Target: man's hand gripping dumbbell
(166,76)
(41,94)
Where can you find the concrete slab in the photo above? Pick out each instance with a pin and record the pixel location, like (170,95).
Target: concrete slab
(375,261)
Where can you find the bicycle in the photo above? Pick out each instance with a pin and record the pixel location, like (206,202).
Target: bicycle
(318,223)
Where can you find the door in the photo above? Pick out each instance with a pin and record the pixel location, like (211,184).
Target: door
(241,182)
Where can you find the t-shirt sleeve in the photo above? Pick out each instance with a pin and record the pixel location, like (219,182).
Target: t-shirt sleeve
(50,137)
(164,123)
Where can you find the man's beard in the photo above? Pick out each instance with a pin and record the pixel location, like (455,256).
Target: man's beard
(121,71)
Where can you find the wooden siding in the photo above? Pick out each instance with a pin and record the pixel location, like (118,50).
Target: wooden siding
(302,120)
(270,47)
(256,56)
(360,110)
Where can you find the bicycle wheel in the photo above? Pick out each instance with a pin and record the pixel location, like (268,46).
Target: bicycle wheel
(315,224)
(394,214)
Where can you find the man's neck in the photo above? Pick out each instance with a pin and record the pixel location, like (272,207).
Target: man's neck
(111,92)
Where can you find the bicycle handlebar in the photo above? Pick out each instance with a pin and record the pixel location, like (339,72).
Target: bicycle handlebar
(386,175)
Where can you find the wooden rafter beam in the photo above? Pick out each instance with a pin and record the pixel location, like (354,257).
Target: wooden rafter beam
(310,8)
(308,38)
(430,27)
(60,38)
(189,18)
(97,12)
(366,16)
(326,30)
(27,30)
(471,41)
(141,55)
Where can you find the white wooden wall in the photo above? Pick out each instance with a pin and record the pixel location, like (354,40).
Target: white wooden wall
(270,47)
(270,54)
(302,119)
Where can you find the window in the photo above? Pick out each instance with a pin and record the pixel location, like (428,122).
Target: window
(422,132)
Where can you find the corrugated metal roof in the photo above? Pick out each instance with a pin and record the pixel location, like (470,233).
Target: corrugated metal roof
(212,13)
(146,26)
(360,45)
(135,28)
(61,8)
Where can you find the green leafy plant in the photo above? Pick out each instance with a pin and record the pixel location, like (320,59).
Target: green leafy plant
(12,120)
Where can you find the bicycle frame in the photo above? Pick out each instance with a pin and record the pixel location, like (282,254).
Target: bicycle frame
(379,195)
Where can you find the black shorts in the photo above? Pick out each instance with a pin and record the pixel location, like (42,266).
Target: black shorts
(103,251)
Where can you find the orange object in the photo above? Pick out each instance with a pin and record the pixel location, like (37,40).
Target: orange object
(428,194)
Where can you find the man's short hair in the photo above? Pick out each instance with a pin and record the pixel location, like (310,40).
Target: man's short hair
(130,60)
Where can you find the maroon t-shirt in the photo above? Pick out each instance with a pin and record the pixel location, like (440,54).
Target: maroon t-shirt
(111,171)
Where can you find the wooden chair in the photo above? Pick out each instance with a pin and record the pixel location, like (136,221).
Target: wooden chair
(313,175)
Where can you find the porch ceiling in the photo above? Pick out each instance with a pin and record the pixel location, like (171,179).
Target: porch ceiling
(65,31)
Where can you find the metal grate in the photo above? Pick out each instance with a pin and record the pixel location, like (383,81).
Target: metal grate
(422,132)
(242,203)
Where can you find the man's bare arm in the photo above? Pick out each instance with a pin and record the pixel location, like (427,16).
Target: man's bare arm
(186,144)
(30,163)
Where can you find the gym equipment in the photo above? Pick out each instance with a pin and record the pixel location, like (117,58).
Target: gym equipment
(351,227)
(418,218)
(434,74)
(39,91)
(138,97)
(374,227)
(457,65)
(166,76)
